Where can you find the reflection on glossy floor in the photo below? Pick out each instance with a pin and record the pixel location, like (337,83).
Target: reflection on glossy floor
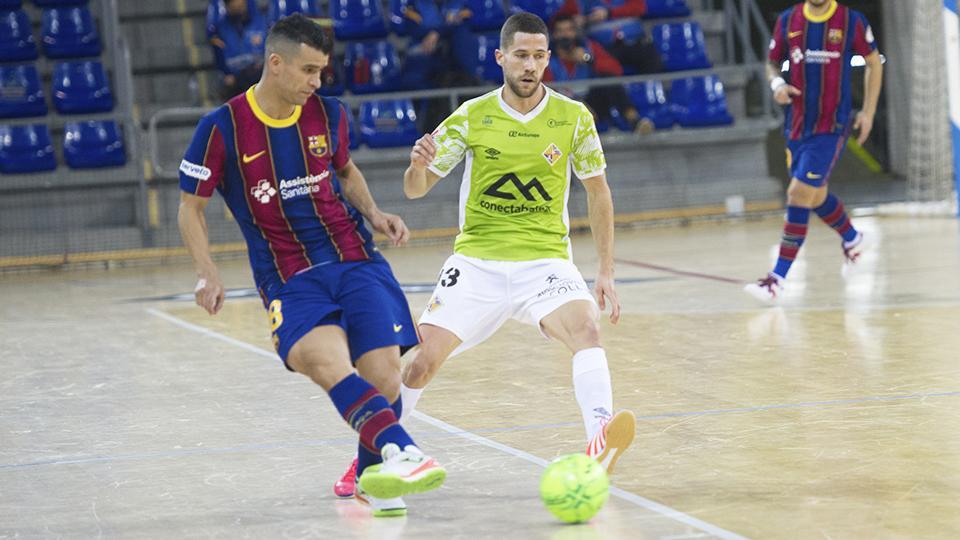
(834,415)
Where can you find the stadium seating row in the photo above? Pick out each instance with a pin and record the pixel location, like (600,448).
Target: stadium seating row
(374,66)
(358,20)
(90,144)
(694,102)
(78,88)
(66,32)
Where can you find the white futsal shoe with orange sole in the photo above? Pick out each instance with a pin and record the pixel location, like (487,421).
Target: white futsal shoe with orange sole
(613,439)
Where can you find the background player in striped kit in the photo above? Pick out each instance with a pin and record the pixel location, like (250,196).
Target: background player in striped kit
(819,38)
(278,155)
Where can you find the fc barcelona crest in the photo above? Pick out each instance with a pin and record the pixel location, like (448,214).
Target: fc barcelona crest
(835,36)
(317,144)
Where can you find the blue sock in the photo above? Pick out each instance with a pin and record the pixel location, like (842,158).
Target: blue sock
(794,233)
(368,413)
(366,458)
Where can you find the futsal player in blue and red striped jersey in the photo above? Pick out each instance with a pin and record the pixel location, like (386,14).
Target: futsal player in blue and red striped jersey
(819,38)
(278,154)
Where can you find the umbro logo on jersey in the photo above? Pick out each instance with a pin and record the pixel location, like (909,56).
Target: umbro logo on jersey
(492,153)
(248,159)
(263,191)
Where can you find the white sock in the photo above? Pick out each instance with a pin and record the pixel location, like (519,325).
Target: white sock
(410,396)
(591,384)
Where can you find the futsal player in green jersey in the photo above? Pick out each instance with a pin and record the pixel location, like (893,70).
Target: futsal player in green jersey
(512,258)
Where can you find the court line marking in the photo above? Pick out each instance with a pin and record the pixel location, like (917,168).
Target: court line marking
(678,272)
(653,506)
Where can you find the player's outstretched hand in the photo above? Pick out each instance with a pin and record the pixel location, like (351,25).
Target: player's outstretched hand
(785,94)
(209,293)
(863,124)
(605,291)
(423,152)
(392,226)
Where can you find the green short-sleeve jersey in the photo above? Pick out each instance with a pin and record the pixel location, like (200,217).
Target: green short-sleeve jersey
(516,180)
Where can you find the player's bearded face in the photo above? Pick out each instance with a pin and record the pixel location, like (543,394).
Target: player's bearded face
(818,3)
(524,63)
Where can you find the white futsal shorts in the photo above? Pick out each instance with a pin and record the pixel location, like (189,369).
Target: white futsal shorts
(474,297)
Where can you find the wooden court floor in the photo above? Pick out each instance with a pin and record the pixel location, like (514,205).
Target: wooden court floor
(834,415)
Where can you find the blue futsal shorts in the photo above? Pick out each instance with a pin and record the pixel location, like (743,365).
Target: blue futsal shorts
(812,159)
(363,298)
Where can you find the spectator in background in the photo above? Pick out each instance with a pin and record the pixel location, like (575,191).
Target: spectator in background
(238,47)
(636,54)
(576,57)
(598,11)
(435,28)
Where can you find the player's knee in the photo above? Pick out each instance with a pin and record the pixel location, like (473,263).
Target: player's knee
(584,333)
(801,195)
(387,383)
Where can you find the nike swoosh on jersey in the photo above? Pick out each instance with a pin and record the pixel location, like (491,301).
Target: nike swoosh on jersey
(792,35)
(397,328)
(812,176)
(248,159)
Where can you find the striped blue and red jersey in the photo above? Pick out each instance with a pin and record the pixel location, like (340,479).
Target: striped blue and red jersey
(278,178)
(819,50)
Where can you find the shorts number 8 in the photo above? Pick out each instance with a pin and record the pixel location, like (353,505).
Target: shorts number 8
(276,315)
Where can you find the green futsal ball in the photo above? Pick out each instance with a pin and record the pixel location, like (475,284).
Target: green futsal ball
(574,488)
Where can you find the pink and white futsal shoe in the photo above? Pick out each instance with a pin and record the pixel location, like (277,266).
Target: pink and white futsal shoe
(346,485)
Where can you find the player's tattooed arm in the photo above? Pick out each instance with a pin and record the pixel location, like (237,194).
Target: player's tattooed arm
(209,292)
(357,193)
(418,179)
(600,210)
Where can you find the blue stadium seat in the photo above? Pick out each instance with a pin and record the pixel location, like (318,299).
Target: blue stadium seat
(69,33)
(478,59)
(657,9)
(700,102)
(371,67)
(93,144)
(357,19)
(9,4)
(681,45)
(629,30)
(59,3)
(277,9)
(20,92)
(81,87)
(391,122)
(25,149)
(545,9)
(486,15)
(16,37)
(651,103)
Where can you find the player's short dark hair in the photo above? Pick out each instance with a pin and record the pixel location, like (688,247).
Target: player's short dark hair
(296,29)
(528,23)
